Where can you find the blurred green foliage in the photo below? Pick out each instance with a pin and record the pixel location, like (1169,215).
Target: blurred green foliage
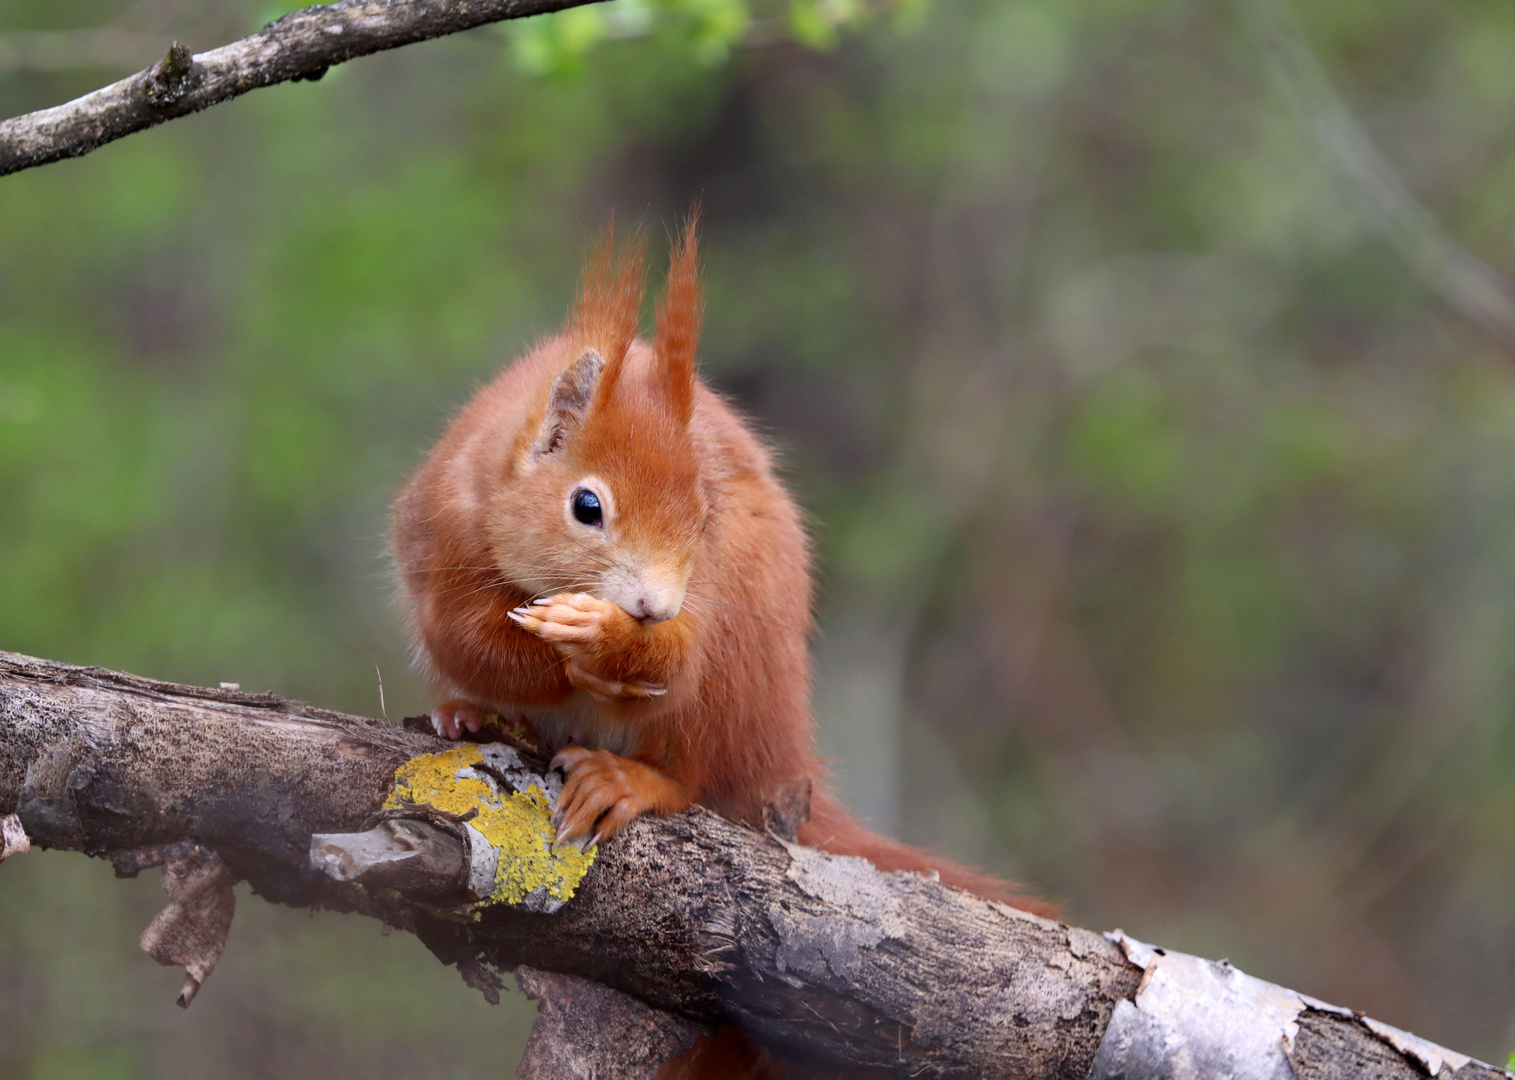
(1165,519)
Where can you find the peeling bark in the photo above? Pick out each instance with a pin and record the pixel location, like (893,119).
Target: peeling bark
(1194,1018)
(683,922)
(299,46)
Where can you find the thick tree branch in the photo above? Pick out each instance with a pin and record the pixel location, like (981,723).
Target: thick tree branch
(301,45)
(685,921)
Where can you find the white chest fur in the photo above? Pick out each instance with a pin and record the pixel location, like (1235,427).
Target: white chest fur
(581,721)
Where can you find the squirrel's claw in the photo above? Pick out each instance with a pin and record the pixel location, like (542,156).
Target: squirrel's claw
(610,689)
(602,795)
(569,620)
(452,717)
(579,626)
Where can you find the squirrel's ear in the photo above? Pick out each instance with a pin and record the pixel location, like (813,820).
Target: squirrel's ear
(572,391)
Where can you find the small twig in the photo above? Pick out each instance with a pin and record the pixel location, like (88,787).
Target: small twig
(300,46)
(1440,260)
(382,710)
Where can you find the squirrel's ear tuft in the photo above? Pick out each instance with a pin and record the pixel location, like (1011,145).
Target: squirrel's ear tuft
(609,306)
(679,317)
(572,391)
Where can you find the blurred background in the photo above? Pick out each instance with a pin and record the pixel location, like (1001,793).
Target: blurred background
(1157,435)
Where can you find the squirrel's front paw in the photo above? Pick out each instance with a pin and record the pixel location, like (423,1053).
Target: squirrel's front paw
(591,634)
(571,621)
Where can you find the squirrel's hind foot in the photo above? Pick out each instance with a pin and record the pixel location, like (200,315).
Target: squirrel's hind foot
(454,716)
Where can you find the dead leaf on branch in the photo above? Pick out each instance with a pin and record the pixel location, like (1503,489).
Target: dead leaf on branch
(191,930)
(13,838)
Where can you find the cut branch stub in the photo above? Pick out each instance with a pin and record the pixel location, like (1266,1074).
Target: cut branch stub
(171,78)
(409,854)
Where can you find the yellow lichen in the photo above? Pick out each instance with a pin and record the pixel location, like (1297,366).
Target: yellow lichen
(517,824)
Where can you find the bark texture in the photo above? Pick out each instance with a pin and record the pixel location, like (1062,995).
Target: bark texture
(1335,1047)
(300,45)
(589,1030)
(825,960)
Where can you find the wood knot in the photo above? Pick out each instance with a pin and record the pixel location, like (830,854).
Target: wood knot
(171,78)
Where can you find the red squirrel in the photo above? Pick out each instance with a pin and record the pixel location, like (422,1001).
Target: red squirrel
(599,546)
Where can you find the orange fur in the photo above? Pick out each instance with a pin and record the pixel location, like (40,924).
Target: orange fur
(679,318)
(609,306)
(664,652)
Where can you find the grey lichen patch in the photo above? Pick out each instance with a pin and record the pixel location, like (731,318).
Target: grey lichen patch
(1085,943)
(1195,1017)
(822,946)
(847,882)
(830,946)
(504,764)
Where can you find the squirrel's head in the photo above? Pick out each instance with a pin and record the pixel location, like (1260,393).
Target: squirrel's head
(608,498)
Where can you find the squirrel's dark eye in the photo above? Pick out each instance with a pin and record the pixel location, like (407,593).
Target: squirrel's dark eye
(586,507)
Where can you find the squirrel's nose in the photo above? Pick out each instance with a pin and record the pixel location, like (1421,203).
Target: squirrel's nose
(650,607)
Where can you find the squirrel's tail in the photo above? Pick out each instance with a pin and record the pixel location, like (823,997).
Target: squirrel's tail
(726,1055)
(832,829)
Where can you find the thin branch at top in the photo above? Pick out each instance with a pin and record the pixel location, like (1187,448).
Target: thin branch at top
(301,45)
(1442,262)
